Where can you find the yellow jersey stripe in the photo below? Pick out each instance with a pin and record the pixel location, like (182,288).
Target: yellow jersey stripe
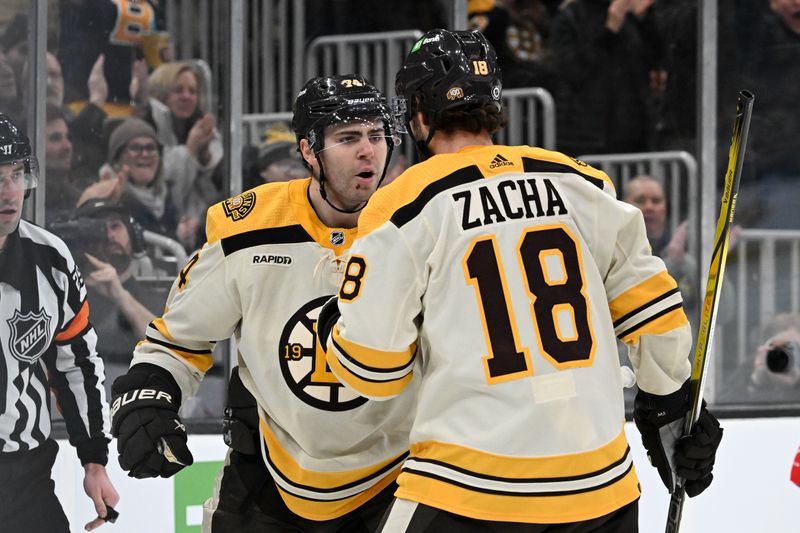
(530,509)
(641,295)
(365,387)
(201,360)
(322,482)
(371,358)
(656,325)
(328,510)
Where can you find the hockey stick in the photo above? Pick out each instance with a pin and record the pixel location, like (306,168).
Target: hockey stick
(705,333)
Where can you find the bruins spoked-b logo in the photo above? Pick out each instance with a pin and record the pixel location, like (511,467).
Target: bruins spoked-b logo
(240,206)
(29,335)
(303,365)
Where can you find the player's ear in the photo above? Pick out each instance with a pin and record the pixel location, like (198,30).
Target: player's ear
(307,153)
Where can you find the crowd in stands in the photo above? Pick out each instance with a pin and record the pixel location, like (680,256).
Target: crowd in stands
(134,128)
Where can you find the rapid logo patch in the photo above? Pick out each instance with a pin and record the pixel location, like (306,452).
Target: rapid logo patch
(30,335)
(238,207)
(272,259)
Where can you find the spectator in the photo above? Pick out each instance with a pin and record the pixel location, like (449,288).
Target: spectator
(113,29)
(277,159)
(603,51)
(775,54)
(121,306)
(62,193)
(187,131)
(773,375)
(519,30)
(647,193)
(133,176)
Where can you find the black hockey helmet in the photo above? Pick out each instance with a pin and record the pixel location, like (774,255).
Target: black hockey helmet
(340,99)
(447,70)
(16,148)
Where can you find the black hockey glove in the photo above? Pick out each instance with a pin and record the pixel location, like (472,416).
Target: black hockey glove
(660,420)
(151,439)
(327,318)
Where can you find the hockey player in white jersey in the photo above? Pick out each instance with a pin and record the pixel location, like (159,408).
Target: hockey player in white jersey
(325,458)
(516,269)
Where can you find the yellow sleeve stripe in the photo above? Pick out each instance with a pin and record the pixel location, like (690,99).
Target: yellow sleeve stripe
(641,295)
(658,325)
(371,389)
(161,327)
(201,360)
(372,359)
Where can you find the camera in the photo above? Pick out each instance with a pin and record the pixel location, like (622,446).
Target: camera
(785,358)
(82,235)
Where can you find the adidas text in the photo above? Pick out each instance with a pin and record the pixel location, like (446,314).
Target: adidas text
(500,161)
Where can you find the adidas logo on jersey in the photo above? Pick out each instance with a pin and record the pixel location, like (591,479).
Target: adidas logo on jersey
(500,161)
(272,259)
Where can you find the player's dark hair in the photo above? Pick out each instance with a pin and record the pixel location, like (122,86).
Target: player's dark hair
(471,119)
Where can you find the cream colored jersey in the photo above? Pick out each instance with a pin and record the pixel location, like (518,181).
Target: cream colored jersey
(514,269)
(266,270)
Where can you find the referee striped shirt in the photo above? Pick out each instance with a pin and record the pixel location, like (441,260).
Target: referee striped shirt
(46,341)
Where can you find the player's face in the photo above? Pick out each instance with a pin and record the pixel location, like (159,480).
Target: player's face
(182,99)
(141,156)
(353,161)
(648,196)
(12,193)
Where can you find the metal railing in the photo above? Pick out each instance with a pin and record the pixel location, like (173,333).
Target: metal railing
(376,56)
(677,171)
(531,114)
(254,125)
(765,268)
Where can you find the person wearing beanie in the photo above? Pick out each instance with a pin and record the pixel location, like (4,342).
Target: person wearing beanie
(133,175)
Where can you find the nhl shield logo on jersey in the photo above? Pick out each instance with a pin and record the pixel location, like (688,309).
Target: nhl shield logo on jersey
(29,335)
(337,238)
(238,207)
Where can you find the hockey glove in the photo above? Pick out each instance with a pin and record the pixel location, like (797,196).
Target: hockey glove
(151,439)
(327,318)
(660,420)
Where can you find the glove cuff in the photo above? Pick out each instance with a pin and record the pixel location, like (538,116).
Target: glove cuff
(659,410)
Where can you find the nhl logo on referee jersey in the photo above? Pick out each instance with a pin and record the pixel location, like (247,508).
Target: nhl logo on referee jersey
(337,238)
(238,207)
(30,335)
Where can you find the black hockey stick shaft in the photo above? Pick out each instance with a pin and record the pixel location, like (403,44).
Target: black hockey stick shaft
(705,332)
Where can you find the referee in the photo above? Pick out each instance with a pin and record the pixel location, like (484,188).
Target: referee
(46,342)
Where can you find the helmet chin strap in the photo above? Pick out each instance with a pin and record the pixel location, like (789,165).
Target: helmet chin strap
(324,194)
(423,151)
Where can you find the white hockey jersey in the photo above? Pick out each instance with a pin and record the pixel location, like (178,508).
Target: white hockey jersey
(266,270)
(513,269)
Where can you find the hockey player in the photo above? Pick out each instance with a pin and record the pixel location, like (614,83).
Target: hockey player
(46,341)
(274,255)
(515,268)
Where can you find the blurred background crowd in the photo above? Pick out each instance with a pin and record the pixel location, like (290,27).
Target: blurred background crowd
(138,116)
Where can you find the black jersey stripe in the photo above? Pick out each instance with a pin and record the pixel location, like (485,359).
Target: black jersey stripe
(411,470)
(622,319)
(409,211)
(649,319)
(282,235)
(171,346)
(375,475)
(371,368)
(537,165)
(511,481)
